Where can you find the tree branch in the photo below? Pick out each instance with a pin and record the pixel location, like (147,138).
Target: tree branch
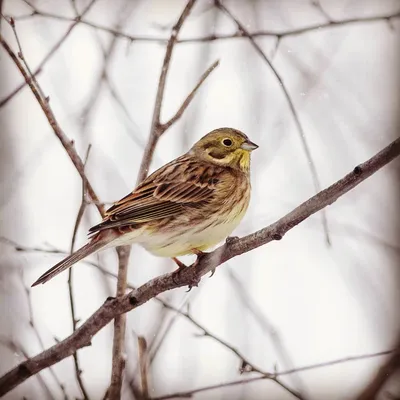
(216,37)
(50,54)
(384,373)
(65,141)
(144,365)
(81,211)
(156,130)
(296,118)
(189,276)
(190,393)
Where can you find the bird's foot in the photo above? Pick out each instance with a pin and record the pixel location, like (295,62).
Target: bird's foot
(179,263)
(182,267)
(200,255)
(177,272)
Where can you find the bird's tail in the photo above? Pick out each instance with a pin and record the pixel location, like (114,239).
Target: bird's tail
(95,245)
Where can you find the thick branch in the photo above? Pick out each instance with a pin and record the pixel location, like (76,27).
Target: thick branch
(188,276)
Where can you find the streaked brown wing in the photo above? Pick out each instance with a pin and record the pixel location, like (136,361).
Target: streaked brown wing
(168,191)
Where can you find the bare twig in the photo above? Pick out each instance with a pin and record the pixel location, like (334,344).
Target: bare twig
(118,356)
(262,321)
(52,51)
(191,393)
(156,129)
(300,131)
(38,337)
(245,364)
(190,97)
(65,141)
(189,276)
(144,364)
(384,373)
(160,128)
(108,53)
(216,37)
(81,211)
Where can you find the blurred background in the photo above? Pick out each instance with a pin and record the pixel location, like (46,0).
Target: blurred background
(317,89)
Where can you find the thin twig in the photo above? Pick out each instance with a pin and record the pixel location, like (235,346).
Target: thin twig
(245,364)
(190,97)
(53,50)
(189,276)
(296,118)
(11,22)
(216,37)
(108,54)
(384,373)
(144,364)
(267,326)
(118,355)
(65,141)
(38,337)
(156,129)
(75,321)
(191,393)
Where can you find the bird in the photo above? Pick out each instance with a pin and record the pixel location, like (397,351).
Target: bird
(185,207)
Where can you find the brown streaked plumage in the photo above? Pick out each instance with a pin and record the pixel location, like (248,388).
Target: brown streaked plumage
(186,206)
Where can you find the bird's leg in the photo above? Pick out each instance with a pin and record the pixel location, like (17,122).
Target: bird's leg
(200,254)
(177,272)
(180,268)
(180,264)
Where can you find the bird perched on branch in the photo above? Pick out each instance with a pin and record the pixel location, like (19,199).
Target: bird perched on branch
(185,207)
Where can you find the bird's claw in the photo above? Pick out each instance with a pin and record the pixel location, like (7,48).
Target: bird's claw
(212,272)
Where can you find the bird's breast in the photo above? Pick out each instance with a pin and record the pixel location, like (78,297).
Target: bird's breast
(200,231)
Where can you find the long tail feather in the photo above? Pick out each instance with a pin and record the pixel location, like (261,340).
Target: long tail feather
(90,248)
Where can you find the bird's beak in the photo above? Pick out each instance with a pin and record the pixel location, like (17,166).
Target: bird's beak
(248,145)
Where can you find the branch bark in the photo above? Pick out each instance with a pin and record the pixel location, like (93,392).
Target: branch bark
(83,335)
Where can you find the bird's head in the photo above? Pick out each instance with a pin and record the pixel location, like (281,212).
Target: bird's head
(226,147)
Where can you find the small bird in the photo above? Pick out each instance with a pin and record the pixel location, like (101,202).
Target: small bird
(185,207)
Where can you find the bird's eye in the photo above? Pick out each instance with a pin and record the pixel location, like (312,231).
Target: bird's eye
(227,142)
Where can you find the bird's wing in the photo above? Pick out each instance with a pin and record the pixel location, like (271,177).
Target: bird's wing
(184,182)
